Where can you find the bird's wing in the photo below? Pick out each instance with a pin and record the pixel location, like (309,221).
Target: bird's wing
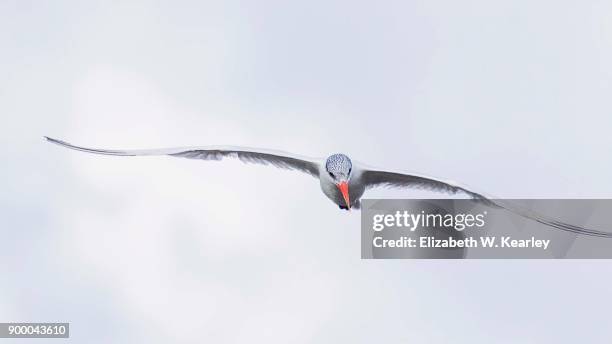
(247,155)
(375,178)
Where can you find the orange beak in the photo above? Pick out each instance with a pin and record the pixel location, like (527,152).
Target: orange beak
(343,186)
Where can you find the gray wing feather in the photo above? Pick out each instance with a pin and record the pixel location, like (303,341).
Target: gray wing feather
(246,155)
(399,180)
(373,178)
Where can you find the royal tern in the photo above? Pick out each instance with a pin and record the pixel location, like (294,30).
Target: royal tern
(342,180)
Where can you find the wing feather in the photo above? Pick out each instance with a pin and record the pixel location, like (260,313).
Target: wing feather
(376,178)
(247,155)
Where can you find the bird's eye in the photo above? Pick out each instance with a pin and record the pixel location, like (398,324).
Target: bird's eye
(350,169)
(331,174)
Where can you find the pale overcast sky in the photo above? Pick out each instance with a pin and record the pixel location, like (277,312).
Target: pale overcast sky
(512,97)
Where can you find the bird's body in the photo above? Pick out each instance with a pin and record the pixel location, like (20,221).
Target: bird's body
(342,180)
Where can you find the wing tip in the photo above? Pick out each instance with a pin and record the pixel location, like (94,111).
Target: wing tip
(50,139)
(57,142)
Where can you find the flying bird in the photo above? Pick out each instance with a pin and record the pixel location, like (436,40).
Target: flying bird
(342,180)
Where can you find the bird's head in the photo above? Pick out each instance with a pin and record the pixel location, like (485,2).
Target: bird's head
(339,168)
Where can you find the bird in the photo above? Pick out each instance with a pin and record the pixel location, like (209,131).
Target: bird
(342,180)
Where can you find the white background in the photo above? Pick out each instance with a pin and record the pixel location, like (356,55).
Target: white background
(511,97)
